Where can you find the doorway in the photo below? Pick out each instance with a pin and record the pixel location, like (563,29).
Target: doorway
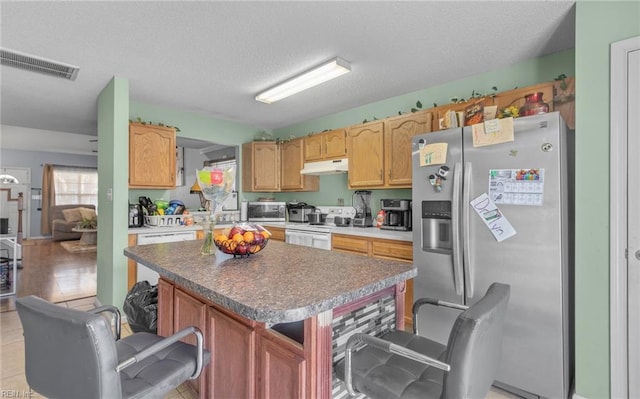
(625,219)
(14,181)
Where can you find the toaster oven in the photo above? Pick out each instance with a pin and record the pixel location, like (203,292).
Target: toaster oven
(267,211)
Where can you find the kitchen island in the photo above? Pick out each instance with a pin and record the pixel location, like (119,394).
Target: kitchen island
(275,322)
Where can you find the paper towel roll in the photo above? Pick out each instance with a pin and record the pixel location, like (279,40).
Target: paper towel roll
(243,211)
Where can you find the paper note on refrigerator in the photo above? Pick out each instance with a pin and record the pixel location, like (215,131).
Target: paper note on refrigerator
(492,132)
(433,154)
(495,221)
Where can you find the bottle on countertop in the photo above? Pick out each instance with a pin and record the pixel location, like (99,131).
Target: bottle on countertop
(380,218)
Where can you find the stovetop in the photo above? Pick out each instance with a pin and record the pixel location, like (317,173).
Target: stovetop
(329,225)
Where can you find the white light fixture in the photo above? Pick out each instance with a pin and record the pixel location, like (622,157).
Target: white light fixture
(313,77)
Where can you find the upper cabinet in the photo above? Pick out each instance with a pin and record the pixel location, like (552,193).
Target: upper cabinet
(260,166)
(268,166)
(366,155)
(326,145)
(398,134)
(291,162)
(380,152)
(152,156)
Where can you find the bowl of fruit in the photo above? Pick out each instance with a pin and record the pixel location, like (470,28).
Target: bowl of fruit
(242,239)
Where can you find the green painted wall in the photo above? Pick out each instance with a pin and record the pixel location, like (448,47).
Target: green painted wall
(598,24)
(113,138)
(332,187)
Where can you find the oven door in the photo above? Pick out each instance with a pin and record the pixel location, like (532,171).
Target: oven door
(308,239)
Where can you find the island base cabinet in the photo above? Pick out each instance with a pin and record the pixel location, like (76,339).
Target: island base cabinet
(289,360)
(232,346)
(189,311)
(282,367)
(165,302)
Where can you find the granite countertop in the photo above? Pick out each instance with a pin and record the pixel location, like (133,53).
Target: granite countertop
(282,283)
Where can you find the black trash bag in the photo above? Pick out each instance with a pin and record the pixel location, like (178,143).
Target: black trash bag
(141,307)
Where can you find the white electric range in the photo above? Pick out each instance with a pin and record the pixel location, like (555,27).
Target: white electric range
(317,235)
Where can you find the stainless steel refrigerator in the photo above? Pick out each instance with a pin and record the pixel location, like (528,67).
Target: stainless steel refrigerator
(491,206)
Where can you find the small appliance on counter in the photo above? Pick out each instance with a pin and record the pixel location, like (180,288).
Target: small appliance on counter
(361,201)
(266,211)
(317,217)
(397,214)
(298,212)
(136,216)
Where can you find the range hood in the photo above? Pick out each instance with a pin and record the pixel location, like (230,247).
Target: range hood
(332,167)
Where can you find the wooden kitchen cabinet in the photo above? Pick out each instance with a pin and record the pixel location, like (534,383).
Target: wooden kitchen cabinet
(379,248)
(232,344)
(282,367)
(260,166)
(398,134)
(380,152)
(152,156)
(326,145)
(165,301)
(291,162)
(374,247)
(277,233)
(242,351)
(189,311)
(348,243)
(366,155)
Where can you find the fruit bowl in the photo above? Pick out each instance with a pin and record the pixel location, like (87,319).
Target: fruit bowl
(242,239)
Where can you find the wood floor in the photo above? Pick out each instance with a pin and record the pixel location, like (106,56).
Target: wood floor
(52,273)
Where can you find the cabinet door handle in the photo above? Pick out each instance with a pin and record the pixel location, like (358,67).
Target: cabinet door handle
(381,174)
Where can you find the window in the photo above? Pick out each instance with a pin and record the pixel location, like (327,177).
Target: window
(74,185)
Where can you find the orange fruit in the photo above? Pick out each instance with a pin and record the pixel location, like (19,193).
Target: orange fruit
(220,238)
(248,236)
(238,237)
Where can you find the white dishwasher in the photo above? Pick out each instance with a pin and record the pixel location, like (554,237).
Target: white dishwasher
(144,273)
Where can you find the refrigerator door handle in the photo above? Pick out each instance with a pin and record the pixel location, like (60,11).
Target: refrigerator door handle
(466,199)
(455,229)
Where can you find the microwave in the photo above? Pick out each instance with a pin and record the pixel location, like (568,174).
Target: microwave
(266,211)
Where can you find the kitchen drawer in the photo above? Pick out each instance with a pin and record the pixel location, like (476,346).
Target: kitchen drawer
(277,233)
(398,250)
(350,244)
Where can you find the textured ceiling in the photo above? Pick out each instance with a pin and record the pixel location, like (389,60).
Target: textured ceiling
(212,57)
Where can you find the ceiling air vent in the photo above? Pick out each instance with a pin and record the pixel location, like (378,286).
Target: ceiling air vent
(32,63)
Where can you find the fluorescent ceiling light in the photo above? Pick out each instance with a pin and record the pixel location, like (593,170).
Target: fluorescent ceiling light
(313,77)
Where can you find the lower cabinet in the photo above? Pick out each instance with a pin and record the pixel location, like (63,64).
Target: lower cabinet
(277,233)
(379,248)
(282,367)
(233,354)
(165,301)
(248,360)
(189,311)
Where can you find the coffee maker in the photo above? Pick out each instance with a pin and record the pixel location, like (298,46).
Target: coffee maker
(397,214)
